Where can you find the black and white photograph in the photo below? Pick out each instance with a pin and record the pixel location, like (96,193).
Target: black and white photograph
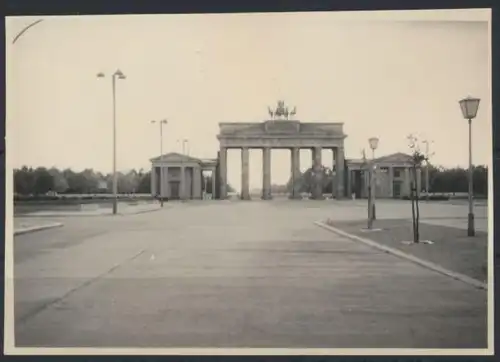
(249,183)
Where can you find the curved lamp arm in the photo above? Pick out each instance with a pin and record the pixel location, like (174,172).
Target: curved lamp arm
(25,29)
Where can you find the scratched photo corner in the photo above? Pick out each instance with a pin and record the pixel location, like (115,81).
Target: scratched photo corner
(293,182)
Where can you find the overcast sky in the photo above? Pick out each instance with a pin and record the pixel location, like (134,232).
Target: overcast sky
(378,76)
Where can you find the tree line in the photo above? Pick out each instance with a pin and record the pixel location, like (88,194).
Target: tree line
(41,180)
(441,180)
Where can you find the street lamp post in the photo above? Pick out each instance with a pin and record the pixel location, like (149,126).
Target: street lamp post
(373,141)
(184,142)
(161,123)
(118,74)
(427,156)
(25,29)
(367,167)
(469,108)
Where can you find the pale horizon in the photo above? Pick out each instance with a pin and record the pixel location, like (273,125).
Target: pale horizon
(380,78)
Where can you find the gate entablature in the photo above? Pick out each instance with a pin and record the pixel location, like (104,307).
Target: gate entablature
(281,134)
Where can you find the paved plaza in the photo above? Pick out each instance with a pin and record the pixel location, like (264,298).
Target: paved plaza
(238,274)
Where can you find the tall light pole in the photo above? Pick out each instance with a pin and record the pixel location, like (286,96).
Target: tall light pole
(373,141)
(116,75)
(185,145)
(367,167)
(469,108)
(184,142)
(161,123)
(427,156)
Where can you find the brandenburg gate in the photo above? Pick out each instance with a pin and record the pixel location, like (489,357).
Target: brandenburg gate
(282,133)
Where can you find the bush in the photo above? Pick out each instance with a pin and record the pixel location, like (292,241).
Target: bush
(72,198)
(35,198)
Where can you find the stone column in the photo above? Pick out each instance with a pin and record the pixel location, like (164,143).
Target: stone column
(245,182)
(153,181)
(190,182)
(182,186)
(334,176)
(349,183)
(407,182)
(391,181)
(295,173)
(223,173)
(213,176)
(197,183)
(266,173)
(317,191)
(339,163)
(166,183)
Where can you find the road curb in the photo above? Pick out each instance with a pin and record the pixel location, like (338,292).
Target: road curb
(83,214)
(55,215)
(139,212)
(37,228)
(426,264)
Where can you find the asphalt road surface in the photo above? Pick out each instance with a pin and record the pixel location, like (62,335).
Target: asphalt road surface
(234,274)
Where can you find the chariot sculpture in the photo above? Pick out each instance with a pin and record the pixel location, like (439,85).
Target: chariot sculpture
(281,111)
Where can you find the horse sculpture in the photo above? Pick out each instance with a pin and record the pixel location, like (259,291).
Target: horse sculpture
(281,111)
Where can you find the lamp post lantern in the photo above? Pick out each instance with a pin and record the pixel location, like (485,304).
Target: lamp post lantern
(116,75)
(469,107)
(161,123)
(373,142)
